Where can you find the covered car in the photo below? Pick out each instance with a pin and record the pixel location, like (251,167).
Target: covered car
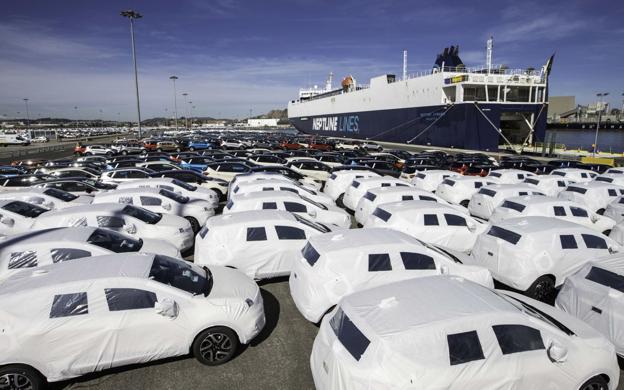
(289,201)
(615,209)
(484,201)
(536,254)
(444,332)
(115,310)
(280,184)
(17,216)
(160,200)
(359,187)
(178,186)
(339,181)
(510,176)
(459,190)
(260,243)
(134,221)
(577,175)
(595,295)
(548,206)
(549,185)
(49,198)
(51,246)
(381,195)
(337,264)
(430,179)
(596,195)
(432,222)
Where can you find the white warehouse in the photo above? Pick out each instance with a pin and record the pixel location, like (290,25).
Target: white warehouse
(262,122)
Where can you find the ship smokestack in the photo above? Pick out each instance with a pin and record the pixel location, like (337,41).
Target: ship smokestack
(488,54)
(404,64)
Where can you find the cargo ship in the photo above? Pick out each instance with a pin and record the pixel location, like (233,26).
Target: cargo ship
(485,108)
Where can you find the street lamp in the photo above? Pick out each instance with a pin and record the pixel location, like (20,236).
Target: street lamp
(191,107)
(130,14)
(185,110)
(600,96)
(27,119)
(175,102)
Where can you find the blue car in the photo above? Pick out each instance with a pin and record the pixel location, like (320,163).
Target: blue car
(9,171)
(194,145)
(197,164)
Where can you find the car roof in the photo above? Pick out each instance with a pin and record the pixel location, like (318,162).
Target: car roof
(535,224)
(416,207)
(87,208)
(130,191)
(97,267)
(409,305)
(266,195)
(365,238)
(262,217)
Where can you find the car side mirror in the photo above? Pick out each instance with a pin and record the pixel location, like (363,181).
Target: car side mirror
(167,206)
(472,227)
(167,308)
(312,213)
(612,250)
(557,353)
(444,270)
(594,218)
(7,221)
(130,228)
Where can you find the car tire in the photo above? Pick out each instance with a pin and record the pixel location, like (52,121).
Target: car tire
(194,224)
(215,345)
(191,149)
(124,152)
(596,383)
(542,289)
(16,376)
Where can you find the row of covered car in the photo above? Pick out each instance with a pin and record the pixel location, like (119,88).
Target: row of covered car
(405,301)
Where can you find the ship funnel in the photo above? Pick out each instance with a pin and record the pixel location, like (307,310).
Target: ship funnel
(404,64)
(488,54)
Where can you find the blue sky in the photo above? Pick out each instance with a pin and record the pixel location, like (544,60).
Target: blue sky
(234,55)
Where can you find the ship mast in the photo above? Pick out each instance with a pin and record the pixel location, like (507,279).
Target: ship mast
(404,64)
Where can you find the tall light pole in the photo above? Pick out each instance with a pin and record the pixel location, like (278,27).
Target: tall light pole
(27,118)
(175,102)
(130,14)
(185,110)
(600,96)
(191,106)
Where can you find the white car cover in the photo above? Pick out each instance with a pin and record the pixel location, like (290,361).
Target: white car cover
(617,233)
(336,264)
(615,209)
(549,185)
(483,203)
(577,175)
(437,333)
(49,198)
(595,294)
(177,186)
(520,250)
(595,194)
(435,223)
(66,308)
(430,179)
(459,190)
(358,188)
(509,176)
(260,243)
(548,206)
(338,182)
(280,185)
(381,195)
(612,178)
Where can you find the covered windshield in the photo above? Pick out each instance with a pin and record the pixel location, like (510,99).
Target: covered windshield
(182,275)
(142,214)
(59,194)
(24,209)
(184,185)
(114,241)
(534,312)
(172,195)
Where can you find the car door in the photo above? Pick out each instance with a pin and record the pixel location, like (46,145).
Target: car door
(141,333)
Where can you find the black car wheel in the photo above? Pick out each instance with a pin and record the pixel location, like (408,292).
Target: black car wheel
(16,377)
(124,152)
(595,383)
(542,289)
(215,345)
(191,149)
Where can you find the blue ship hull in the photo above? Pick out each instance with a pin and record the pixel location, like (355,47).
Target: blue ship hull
(462,125)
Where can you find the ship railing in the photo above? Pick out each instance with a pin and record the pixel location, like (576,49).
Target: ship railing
(494,70)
